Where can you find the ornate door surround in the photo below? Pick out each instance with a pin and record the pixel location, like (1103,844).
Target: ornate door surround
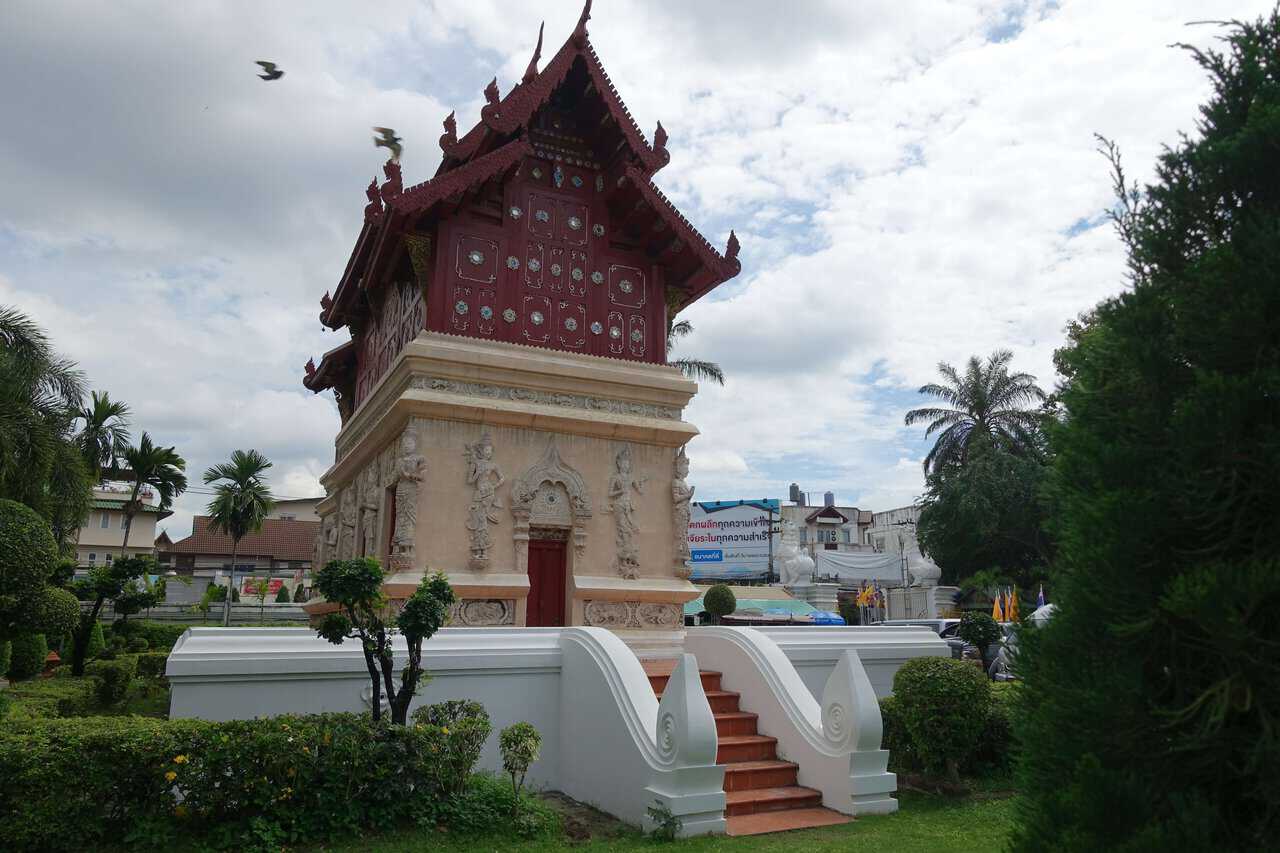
(550,494)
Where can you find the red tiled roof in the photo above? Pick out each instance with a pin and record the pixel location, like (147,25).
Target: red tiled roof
(280,539)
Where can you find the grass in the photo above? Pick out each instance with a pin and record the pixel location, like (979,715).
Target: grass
(924,824)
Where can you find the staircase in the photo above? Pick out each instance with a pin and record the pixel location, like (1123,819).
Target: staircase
(761,794)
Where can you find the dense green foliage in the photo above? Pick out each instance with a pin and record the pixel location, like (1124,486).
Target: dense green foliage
(483,806)
(467,724)
(111,581)
(355,586)
(249,784)
(40,464)
(282,595)
(103,434)
(994,751)
(27,653)
(943,705)
(154,466)
(159,635)
(97,642)
(5,649)
(112,678)
(519,744)
(28,561)
(986,514)
(985,406)
(978,629)
(719,601)
(1149,715)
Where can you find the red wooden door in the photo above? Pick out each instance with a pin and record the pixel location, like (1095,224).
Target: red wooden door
(546,584)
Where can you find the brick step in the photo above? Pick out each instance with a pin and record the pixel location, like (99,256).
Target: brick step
(750,775)
(762,822)
(722,701)
(735,748)
(759,800)
(658,680)
(736,723)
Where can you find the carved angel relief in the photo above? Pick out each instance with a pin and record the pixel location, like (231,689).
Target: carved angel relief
(622,505)
(347,517)
(485,479)
(410,468)
(681,497)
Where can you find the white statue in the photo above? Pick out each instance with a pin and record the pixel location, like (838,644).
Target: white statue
(623,507)
(794,567)
(681,496)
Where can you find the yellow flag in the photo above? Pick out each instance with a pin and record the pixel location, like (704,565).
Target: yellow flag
(1011,614)
(996,612)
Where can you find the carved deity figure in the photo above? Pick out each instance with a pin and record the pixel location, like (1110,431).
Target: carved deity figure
(622,505)
(794,567)
(485,479)
(681,497)
(347,516)
(410,469)
(369,495)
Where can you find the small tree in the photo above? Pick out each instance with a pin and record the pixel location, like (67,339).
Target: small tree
(719,601)
(104,583)
(299,594)
(260,590)
(519,744)
(282,595)
(355,587)
(241,504)
(980,630)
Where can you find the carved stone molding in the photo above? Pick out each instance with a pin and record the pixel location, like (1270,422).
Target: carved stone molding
(633,614)
(531,487)
(528,395)
(482,612)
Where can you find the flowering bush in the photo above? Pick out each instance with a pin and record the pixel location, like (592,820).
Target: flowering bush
(245,784)
(464,727)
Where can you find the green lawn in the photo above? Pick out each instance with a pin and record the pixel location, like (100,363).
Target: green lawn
(925,824)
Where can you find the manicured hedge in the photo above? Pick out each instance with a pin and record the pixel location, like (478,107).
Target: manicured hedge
(992,752)
(27,653)
(250,783)
(151,667)
(159,635)
(48,698)
(112,678)
(944,705)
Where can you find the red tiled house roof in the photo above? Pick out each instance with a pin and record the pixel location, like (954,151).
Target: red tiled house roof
(279,539)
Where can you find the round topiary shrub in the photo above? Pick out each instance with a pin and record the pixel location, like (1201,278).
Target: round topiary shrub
(138,644)
(28,556)
(56,611)
(27,653)
(719,602)
(944,705)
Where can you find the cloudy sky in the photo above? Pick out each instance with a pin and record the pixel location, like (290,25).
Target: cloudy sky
(913,181)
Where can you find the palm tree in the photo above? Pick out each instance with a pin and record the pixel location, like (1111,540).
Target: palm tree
(692,368)
(241,503)
(987,402)
(105,433)
(161,468)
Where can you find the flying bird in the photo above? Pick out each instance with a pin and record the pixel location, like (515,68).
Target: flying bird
(272,73)
(389,140)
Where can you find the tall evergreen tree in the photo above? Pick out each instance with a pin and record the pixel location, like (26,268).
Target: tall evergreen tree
(1150,712)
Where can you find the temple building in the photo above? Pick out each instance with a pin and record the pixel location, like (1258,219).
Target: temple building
(508,415)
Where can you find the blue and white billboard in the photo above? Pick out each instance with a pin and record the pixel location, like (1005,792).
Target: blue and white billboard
(729,540)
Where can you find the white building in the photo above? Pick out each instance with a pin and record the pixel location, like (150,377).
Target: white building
(101,540)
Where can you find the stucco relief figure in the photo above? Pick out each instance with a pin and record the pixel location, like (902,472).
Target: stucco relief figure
(681,497)
(485,479)
(330,548)
(411,467)
(794,567)
(347,515)
(622,505)
(369,496)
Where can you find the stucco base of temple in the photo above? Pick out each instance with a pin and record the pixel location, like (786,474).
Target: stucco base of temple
(548,486)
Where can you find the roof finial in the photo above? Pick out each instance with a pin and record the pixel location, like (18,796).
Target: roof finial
(374,207)
(580,31)
(311,367)
(450,136)
(660,138)
(731,249)
(532,70)
(326,301)
(491,92)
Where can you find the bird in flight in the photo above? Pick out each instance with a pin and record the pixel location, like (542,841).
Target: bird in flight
(272,73)
(388,140)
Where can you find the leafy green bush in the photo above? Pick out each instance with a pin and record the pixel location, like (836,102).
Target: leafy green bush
(47,698)
(979,629)
(137,644)
(465,726)
(282,595)
(245,784)
(996,745)
(299,594)
(112,678)
(97,643)
(27,653)
(5,703)
(28,556)
(484,807)
(944,705)
(151,666)
(159,635)
(895,738)
(519,744)
(719,601)
(4,656)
